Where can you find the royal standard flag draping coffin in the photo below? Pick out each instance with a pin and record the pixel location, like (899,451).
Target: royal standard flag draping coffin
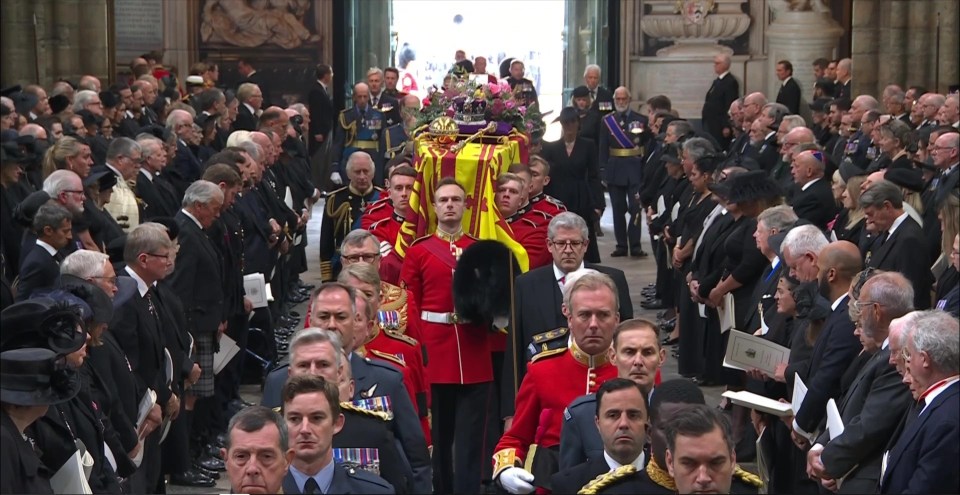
(476,167)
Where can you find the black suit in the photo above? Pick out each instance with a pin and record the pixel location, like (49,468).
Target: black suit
(198,278)
(835,348)
(322,115)
(246,120)
(573,479)
(871,410)
(721,94)
(905,251)
(815,204)
(157,202)
(789,95)
(767,154)
(844,90)
(538,300)
(260,80)
(575,181)
(946,183)
(114,387)
(39,270)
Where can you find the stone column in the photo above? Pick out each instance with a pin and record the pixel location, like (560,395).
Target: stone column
(801,38)
(17,42)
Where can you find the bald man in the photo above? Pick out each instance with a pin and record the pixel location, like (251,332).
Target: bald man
(812,196)
(360,128)
(836,346)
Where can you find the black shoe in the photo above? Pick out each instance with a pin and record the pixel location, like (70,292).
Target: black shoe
(307,286)
(297,298)
(668,341)
(653,304)
(668,325)
(637,252)
(191,477)
(618,253)
(649,291)
(209,474)
(287,321)
(210,463)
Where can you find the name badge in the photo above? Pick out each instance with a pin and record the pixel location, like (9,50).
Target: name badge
(605,106)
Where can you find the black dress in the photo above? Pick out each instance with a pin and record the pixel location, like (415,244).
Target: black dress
(690,223)
(20,468)
(575,181)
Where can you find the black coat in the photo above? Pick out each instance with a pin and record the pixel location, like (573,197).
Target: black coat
(573,479)
(816,204)
(575,181)
(322,115)
(198,278)
(137,330)
(906,252)
(246,120)
(721,94)
(20,468)
(158,201)
(39,270)
(789,95)
(114,388)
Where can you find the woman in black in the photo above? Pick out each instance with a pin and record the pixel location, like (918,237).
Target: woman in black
(698,207)
(575,176)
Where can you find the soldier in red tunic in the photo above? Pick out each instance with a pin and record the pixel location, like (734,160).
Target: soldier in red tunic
(554,378)
(460,369)
(384,219)
(537,176)
(532,235)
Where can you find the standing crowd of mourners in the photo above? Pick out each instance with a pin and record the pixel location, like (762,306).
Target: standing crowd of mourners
(149,230)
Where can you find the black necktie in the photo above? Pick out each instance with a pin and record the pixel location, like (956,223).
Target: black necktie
(311,486)
(883,238)
(151,307)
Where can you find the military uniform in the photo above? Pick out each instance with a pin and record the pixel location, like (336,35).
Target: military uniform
(376,211)
(341,214)
(623,137)
(360,130)
(346,480)
(547,204)
(460,370)
(656,479)
(396,140)
(579,438)
(529,228)
(554,378)
(387,229)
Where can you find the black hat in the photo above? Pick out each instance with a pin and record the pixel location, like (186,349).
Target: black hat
(24,102)
(820,104)
(23,213)
(12,154)
(581,92)
(158,131)
(811,305)
(36,377)
(708,163)
(752,185)
(41,322)
(925,164)
(8,91)
(109,99)
(481,289)
(909,178)
(102,176)
(115,248)
(568,115)
(101,305)
(671,154)
(173,229)
(58,103)
(848,170)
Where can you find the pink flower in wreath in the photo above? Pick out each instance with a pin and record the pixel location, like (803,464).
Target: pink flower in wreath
(510,104)
(522,110)
(504,85)
(451,111)
(497,108)
(494,89)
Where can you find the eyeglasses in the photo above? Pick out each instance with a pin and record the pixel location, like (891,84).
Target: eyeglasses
(859,305)
(364,257)
(169,256)
(75,191)
(566,244)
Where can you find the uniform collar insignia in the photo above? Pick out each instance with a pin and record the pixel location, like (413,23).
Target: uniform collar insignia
(587,359)
(369,392)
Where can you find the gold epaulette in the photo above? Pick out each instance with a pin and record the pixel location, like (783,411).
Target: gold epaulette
(747,477)
(546,354)
(388,357)
(374,414)
(395,335)
(335,191)
(660,476)
(555,201)
(607,479)
(551,335)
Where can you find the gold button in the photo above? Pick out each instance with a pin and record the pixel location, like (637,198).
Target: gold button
(591,383)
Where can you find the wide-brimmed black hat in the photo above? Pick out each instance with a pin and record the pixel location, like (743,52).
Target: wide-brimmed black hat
(820,104)
(11,153)
(42,322)
(752,185)
(848,170)
(567,115)
(58,103)
(102,176)
(581,92)
(101,305)
(36,377)
(24,102)
(909,178)
(671,154)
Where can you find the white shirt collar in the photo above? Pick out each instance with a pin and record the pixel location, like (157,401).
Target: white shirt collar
(141,285)
(147,173)
(48,248)
(768,135)
(721,76)
(896,224)
(191,217)
(114,169)
(557,274)
(774,262)
(933,395)
(784,82)
(637,463)
(885,344)
(250,108)
(833,307)
(810,183)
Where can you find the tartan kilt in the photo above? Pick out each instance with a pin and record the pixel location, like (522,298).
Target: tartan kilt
(204,349)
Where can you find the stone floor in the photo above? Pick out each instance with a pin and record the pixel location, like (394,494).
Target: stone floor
(639,273)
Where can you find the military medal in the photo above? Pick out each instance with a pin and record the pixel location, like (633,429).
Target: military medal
(605,106)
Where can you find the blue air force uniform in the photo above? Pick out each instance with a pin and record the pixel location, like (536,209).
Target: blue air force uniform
(623,138)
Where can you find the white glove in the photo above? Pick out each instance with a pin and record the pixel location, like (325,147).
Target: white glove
(516,480)
(335,178)
(385,248)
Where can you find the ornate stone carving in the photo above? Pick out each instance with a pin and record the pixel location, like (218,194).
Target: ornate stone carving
(695,26)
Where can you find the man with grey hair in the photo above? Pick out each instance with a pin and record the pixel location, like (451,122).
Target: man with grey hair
(156,195)
(40,268)
(88,100)
(601,99)
(256,451)
(343,210)
(771,222)
(813,197)
(94,267)
(623,138)
(922,459)
(801,251)
(538,310)
(900,244)
(930,104)
(359,128)
(723,90)
(185,168)
(872,406)
(124,157)
(251,99)
(844,88)
(136,326)
(767,151)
